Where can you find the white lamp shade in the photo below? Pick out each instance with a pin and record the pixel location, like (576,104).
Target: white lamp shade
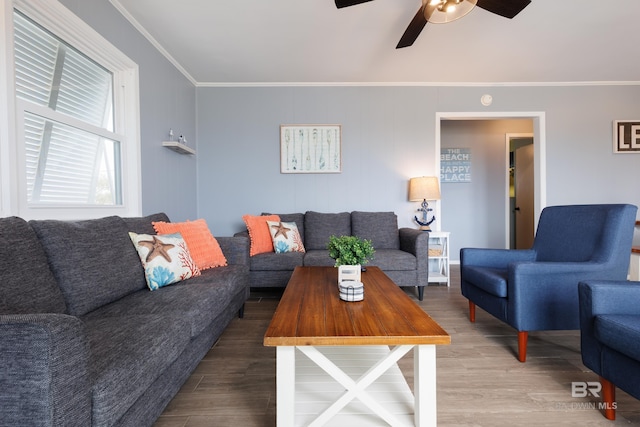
(424,188)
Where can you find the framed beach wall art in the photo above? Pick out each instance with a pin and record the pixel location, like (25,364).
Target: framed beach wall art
(310,149)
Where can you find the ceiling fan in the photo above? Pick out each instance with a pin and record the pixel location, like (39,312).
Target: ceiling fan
(441,11)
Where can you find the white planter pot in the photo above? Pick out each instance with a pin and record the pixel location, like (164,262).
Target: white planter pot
(349,272)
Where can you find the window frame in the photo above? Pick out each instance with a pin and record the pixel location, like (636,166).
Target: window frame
(57,19)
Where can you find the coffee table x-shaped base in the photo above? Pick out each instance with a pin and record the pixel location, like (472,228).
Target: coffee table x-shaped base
(424,384)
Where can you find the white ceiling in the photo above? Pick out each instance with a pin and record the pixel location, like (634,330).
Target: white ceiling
(216,42)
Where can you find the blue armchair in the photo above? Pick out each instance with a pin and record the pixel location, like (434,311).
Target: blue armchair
(537,289)
(610,337)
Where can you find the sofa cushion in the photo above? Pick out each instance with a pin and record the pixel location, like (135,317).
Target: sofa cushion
(298,218)
(144,224)
(275,262)
(285,236)
(393,259)
(199,299)
(491,280)
(128,353)
(621,332)
(165,258)
(93,261)
(319,258)
(27,285)
(203,247)
(379,227)
(318,227)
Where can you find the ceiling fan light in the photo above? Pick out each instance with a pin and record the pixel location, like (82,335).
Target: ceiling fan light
(443,11)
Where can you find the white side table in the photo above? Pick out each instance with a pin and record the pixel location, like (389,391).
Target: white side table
(439,257)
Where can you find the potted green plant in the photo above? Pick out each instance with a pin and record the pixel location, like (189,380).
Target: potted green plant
(350,250)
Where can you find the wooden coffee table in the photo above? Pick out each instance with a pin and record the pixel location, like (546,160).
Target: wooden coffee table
(312,320)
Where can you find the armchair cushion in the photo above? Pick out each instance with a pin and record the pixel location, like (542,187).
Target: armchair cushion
(621,332)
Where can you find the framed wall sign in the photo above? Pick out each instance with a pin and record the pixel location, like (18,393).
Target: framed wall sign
(626,136)
(455,165)
(310,149)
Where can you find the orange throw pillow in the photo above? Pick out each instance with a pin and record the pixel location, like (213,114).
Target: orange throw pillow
(204,248)
(259,233)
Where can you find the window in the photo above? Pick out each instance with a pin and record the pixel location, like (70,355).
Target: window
(76,119)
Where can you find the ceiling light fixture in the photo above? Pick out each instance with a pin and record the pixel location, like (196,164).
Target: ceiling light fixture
(443,11)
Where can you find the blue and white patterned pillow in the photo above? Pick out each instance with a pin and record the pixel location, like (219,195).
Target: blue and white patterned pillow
(285,236)
(165,258)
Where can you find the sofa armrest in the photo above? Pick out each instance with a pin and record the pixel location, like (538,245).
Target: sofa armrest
(235,249)
(44,371)
(416,242)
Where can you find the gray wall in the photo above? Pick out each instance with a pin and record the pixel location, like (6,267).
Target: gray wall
(386,139)
(388,136)
(167,100)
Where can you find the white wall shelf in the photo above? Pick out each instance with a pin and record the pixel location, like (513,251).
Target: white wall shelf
(439,257)
(178,147)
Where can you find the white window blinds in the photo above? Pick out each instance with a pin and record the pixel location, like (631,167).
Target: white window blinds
(72,153)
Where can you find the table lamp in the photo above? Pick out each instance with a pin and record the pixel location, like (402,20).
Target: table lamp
(422,189)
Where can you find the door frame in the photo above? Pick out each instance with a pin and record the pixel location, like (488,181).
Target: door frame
(539,153)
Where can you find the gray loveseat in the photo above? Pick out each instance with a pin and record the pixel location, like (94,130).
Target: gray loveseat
(402,253)
(83,342)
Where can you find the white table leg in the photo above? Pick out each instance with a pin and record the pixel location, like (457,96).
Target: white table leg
(285,386)
(424,385)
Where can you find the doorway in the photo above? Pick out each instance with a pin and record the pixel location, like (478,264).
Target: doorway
(465,235)
(521,190)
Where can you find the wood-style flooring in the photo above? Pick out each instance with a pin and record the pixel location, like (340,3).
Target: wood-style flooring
(480,382)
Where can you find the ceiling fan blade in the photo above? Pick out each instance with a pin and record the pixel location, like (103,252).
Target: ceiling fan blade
(346,3)
(506,8)
(413,30)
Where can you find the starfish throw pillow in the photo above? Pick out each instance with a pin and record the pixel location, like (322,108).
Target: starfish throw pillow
(166,259)
(285,236)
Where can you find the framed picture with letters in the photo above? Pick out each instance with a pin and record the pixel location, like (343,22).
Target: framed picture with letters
(626,136)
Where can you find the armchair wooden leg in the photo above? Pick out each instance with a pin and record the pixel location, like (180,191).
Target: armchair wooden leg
(608,398)
(522,345)
(472,312)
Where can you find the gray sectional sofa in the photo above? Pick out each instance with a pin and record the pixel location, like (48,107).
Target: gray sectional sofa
(402,253)
(83,342)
